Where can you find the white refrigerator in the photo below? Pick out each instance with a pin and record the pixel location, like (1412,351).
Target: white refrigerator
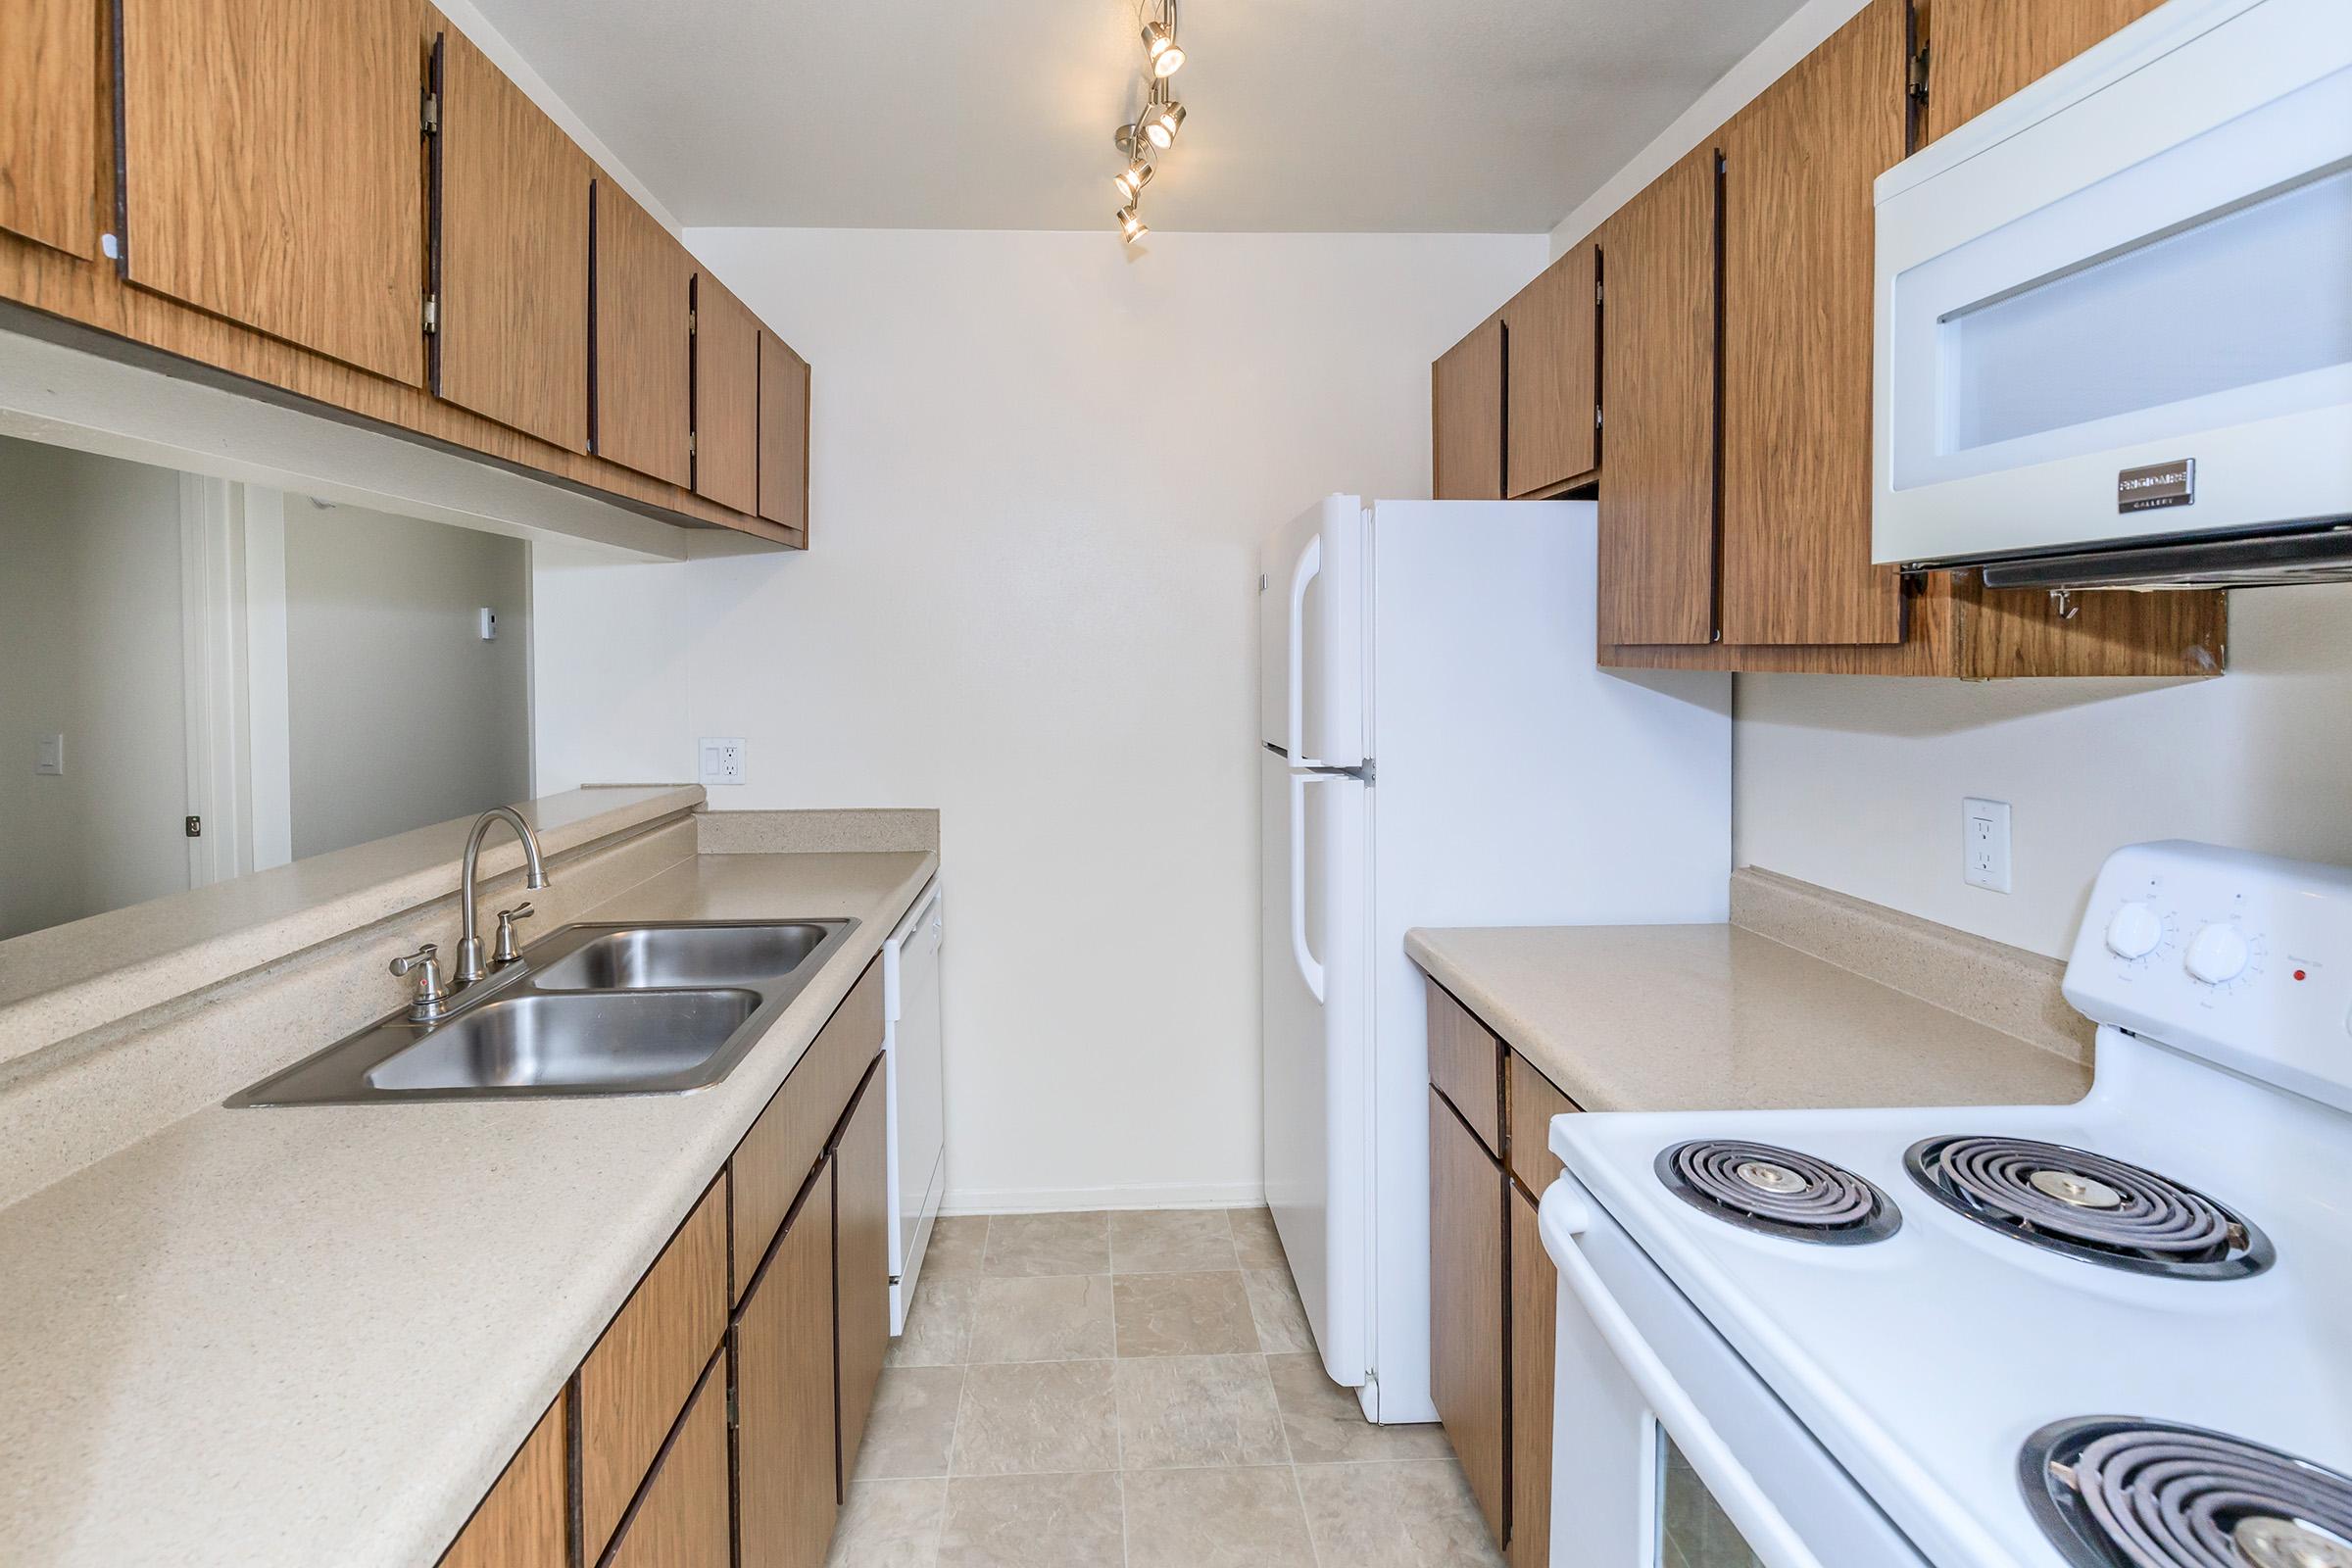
(1439,748)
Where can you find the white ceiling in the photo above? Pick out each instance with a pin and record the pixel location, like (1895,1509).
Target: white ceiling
(1447,115)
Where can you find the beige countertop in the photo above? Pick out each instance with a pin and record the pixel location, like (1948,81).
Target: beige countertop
(1705,1018)
(314,1334)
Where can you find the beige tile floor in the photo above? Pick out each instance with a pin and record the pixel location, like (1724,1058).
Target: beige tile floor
(1134,1391)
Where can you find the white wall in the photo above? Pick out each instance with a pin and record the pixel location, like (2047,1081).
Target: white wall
(1041,468)
(1856,783)
(398,714)
(90,649)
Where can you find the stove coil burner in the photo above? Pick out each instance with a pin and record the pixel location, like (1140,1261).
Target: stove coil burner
(2089,1206)
(1778,1192)
(2115,1492)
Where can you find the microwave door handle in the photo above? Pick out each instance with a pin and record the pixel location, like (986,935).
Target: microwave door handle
(1308,969)
(1768,1534)
(1309,567)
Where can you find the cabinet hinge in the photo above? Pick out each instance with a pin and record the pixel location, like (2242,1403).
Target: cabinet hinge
(693,448)
(1598,289)
(432,313)
(693,320)
(428,113)
(1918,82)
(1595,415)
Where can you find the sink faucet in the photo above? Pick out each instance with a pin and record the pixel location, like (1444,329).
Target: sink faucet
(469,944)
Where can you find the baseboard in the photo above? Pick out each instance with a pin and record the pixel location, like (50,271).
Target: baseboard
(1064,1200)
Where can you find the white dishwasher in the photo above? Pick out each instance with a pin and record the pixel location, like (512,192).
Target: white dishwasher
(918,1111)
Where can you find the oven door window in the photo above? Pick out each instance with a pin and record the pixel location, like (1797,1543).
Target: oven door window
(1694,1531)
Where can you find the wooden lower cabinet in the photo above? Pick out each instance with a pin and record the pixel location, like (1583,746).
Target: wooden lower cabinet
(782,1349)
(1466,1374)
(1534,1304)
(632,1385)
(525,1522)
(861,1262)
(681,1520)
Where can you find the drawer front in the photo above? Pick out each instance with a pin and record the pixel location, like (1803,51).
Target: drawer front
(682,1520)
(525,1520)
(1465,1063)
(1534,1102)
(634,1382)
(774,1162)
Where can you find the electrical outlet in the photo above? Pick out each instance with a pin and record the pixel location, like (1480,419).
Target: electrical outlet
(722,759)
(1984,843)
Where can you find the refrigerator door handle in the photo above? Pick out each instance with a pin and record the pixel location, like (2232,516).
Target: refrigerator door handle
(1309,568)
(1308,969)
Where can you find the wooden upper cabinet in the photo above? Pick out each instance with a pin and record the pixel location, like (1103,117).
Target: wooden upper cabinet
(786,1498)
(861,1261)
(526,1521)
(1798,166)
(513,341)
(1657,375)
(643,287)
(726,396)
(1552,389)
(49,121)
(273,171)
(1465,416)
(783,433)
(1980,51)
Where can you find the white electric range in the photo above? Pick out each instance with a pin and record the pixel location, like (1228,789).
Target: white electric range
(2110,1335)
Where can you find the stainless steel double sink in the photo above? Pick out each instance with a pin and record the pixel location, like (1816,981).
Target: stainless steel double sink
(648,1008)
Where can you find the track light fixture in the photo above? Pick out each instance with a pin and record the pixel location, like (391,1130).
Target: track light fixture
(1153,129)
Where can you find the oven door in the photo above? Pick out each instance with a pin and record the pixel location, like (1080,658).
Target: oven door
(1668,1451)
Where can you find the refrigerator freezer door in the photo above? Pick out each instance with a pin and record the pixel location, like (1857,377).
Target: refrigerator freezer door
(1314,1007)
(1310,620)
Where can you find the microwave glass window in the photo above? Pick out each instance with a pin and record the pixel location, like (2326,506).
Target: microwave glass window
(1694,1531)
(2253,293)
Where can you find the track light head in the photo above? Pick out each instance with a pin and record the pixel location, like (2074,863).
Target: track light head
(1131,179)
(1161,121)
(1161,49)
(1131,226)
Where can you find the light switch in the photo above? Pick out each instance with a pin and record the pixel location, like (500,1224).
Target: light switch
(1984,843)
(489,624)
(49,756)
(722,759)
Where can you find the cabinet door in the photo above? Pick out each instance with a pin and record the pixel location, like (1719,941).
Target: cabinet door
(1980,51)
(1534,1304)
(784,1433)
(1465,1310)
(49,121)
(642,288)
(1534,1102)
(1657,384)
(639,1376)
(1553,388)
(862,1259)
(524,1521)
(783,433)
(1798,165)
(726,396)
(513,341)
(1465,406)
(681,1519)
(272,168)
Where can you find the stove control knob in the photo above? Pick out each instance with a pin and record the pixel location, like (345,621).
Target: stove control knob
(2218,955)
(2135,930)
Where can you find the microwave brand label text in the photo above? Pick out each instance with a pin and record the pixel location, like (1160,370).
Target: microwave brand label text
(2159,485)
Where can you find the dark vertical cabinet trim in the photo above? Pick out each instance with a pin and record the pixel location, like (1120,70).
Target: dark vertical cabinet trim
(436,82)
(1721,294)
(114,24)
(593,187)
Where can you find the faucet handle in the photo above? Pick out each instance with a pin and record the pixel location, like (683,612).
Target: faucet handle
(430,993)
(505,951)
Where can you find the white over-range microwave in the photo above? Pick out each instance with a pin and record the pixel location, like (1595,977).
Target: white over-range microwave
(2114,314)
